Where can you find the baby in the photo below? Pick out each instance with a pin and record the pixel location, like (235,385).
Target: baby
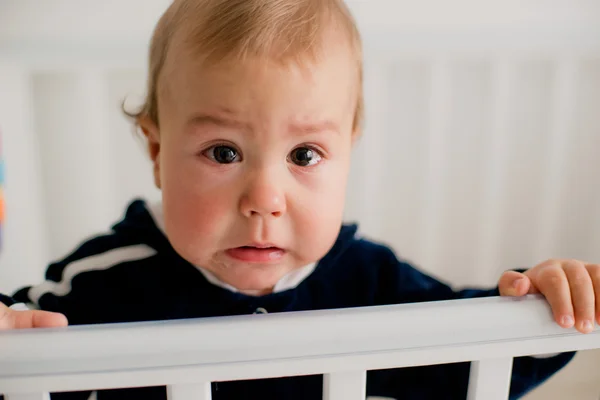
(252,110)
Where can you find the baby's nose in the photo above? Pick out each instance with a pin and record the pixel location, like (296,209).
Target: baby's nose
(263,200)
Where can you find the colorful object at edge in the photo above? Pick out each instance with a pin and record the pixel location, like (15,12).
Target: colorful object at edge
(1,194)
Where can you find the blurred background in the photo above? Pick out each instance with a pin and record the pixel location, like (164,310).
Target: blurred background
(480,153)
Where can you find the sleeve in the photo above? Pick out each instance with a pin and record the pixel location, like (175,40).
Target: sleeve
(60,290)
(400,282)
(12,303)
(82,285)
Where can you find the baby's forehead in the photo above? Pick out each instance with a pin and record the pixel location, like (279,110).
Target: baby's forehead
(260,92)
(187,63)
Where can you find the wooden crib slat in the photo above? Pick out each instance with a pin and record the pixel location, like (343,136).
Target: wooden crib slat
(27,396)
(350,385)
(196,391)
(490,379)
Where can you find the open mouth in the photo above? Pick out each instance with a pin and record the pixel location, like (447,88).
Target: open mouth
(257,254)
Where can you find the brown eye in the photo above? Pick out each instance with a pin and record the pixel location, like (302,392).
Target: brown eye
(223,154)
(305,157)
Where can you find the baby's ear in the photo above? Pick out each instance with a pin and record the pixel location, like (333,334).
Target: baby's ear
(150,131)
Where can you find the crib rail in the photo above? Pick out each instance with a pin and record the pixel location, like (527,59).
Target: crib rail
(187,355)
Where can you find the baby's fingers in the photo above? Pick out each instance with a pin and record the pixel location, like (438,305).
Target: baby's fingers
(38,319)
(594,272)
(582,294)
(513,283)
(553,284)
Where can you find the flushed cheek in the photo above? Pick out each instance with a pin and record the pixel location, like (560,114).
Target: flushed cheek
(196,229)
(197,213)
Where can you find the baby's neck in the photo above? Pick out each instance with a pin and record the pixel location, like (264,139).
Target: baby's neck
(257,293)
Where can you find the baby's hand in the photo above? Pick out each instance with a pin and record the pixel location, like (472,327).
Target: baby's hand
(571,287)
(13,319)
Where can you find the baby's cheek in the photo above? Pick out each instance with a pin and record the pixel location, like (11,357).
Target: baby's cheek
(195,218)
(197,214)
(315,238)
(318,222)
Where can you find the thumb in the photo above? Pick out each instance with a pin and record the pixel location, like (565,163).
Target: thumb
(513,283)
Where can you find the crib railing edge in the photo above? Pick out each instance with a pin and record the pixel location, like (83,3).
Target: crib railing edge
(375,338)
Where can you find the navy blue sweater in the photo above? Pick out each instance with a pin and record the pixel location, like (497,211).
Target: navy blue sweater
(157,284)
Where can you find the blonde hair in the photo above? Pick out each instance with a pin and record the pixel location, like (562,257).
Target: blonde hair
(285,30)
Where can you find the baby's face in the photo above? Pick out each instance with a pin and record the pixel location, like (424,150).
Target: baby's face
(252,161)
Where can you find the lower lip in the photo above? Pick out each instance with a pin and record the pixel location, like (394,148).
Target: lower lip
(252,254)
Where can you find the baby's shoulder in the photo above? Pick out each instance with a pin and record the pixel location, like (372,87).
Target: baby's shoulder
(359,252)
(364,249)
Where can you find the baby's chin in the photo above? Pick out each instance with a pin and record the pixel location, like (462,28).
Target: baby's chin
(252,279)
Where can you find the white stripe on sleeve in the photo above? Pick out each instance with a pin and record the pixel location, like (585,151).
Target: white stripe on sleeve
(97,262)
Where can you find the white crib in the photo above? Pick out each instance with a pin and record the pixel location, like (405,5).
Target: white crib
(487,110)
(342,344)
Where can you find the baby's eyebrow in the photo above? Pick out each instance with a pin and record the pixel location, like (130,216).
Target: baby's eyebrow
(314,127)
(297,128)
(215,119)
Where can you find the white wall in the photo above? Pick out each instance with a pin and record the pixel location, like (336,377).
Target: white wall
(479,153)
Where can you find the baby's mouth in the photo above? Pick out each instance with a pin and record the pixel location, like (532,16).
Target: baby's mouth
(256,253)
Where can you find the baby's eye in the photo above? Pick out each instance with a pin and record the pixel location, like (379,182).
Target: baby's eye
(222,154)
(305,156)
